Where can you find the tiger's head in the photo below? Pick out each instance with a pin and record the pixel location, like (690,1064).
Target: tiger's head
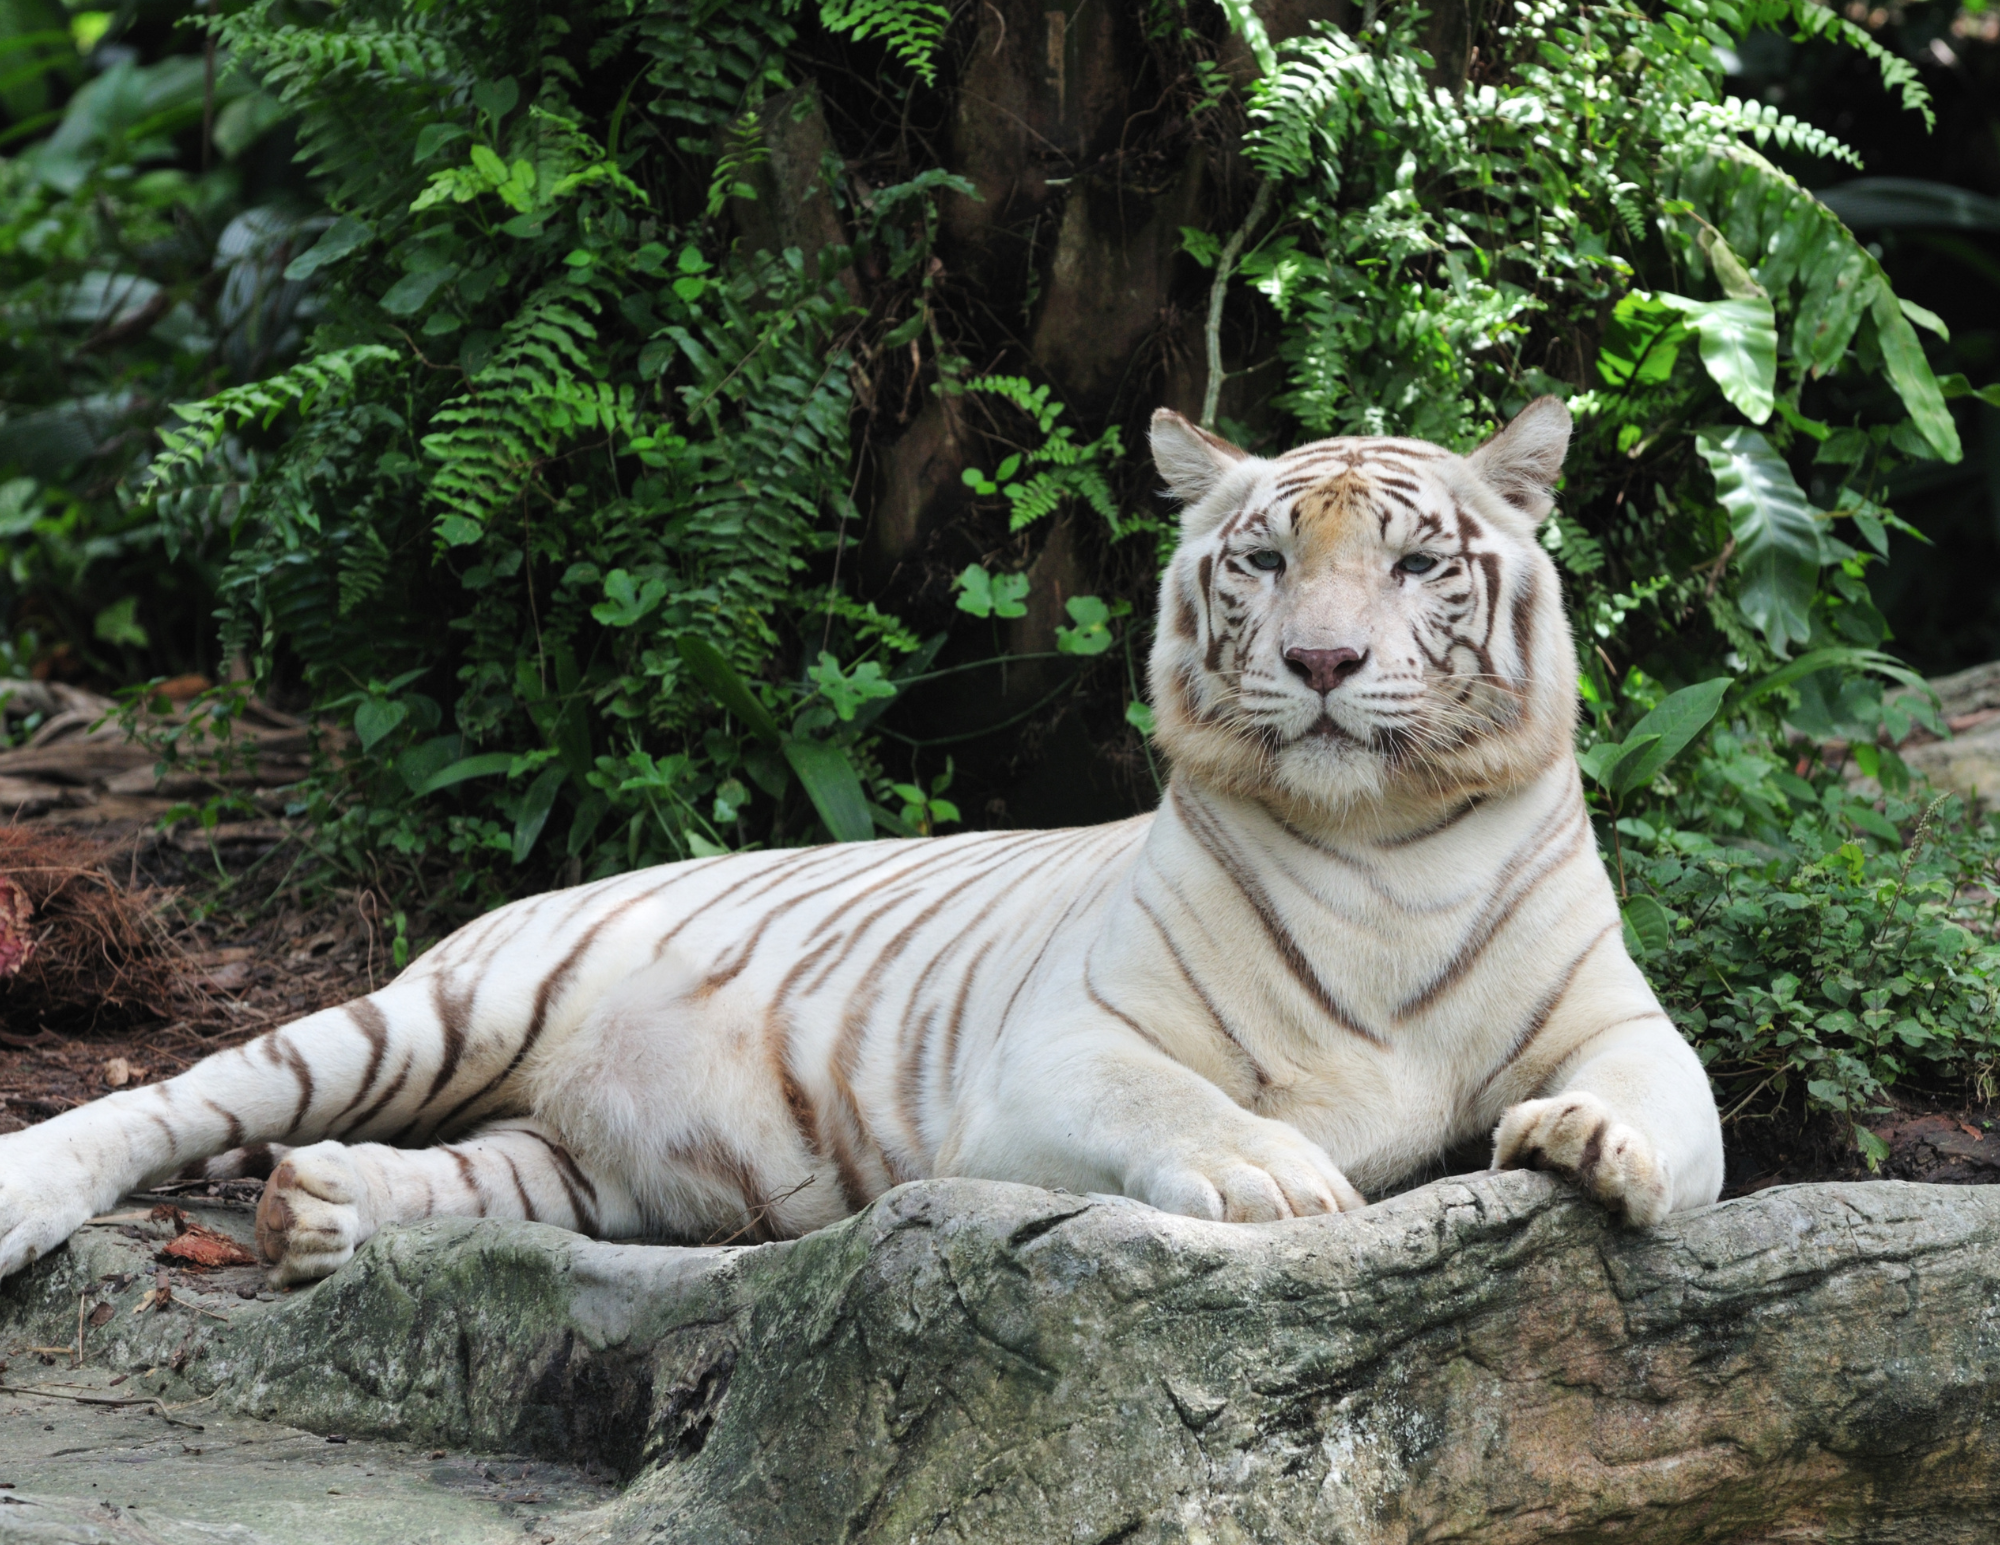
(1363,622)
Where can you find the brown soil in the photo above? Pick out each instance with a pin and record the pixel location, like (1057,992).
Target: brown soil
(137,982)
(1940,1138)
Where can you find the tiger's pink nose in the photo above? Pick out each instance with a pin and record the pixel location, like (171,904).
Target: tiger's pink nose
(1325,669)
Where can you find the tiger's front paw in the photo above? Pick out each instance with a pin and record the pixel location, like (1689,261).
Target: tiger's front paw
(315,1213)
(1264,1171)
(1576,1135)
(44,1198)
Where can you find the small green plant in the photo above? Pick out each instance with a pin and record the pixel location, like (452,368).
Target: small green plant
(1036,481)
(924,812)
(201,738)
(1833,970)
(991,595)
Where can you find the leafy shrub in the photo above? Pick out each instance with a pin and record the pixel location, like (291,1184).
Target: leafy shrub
(1826,970)
(132,276)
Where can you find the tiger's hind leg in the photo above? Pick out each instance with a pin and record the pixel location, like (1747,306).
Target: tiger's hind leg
(324,1200)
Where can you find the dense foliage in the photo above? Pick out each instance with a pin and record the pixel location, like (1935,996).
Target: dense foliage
(519,429)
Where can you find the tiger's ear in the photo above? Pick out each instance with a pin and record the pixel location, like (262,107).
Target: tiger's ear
(1523,461)
(1190,458)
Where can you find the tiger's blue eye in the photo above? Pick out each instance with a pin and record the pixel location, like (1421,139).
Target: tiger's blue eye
(1417,563)
(1267,559)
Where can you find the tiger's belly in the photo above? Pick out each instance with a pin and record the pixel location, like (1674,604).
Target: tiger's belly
(818,1017)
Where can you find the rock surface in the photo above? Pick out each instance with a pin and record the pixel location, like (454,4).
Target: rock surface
(1485,1358)
(1969,762)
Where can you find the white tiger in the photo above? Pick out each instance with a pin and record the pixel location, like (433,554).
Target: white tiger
(1367,923)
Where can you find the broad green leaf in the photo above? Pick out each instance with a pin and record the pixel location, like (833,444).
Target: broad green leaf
(376,718)
(1679,718)
(1777,534)
(1874,823)
(1959,386)
(1602,761)
(1140,716)
(1923,317)
(1642,343)
(895,825)
(1246,21)
(434,137)
(489,165)
(1649,923)
(584,825)
(1739,348)
(418,763)
(344,236)
(496,98)
(1910,374)
(485,765)
(833,786)
(412,292)
(1844,657)
(534,810)
(1731,272)
(729,689)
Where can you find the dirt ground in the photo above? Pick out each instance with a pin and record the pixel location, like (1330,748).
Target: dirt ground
(209,979)
(217,980)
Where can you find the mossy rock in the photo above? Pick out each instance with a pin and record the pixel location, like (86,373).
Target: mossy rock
(1484,1358)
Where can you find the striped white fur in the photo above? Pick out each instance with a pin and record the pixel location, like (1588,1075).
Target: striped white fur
(1367,923)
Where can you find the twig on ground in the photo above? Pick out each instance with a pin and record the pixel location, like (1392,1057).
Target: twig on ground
(164,1411)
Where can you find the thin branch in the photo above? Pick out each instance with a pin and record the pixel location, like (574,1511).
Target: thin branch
(1218,292)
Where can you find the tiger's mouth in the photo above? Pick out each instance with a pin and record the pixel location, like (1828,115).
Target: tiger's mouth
(1327,728)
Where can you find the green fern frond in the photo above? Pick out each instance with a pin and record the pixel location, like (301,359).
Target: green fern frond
(307,384)
(363,566)
(913,29)
(1814,20)
(1300,114)
(713,64)
(1764,123)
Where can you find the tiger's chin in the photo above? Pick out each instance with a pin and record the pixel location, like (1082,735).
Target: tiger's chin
(1320,773)
(1331,770)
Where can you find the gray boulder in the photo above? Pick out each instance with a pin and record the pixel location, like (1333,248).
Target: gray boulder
(1969,762)
(1484,1358)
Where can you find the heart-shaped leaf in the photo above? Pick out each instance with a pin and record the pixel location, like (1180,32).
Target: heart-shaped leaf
(376,718)
(1092,633)
(626,602)
(991,595)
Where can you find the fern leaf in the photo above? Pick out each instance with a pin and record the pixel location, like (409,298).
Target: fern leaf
(913,29)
